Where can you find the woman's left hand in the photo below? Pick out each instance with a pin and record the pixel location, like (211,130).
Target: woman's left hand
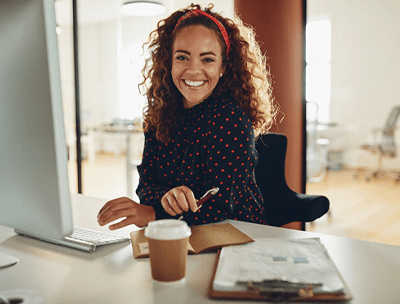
(178,200)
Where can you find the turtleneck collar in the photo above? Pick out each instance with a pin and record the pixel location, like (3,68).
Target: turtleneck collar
(194,113)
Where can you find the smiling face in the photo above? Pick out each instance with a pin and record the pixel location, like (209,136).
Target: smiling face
(196,63)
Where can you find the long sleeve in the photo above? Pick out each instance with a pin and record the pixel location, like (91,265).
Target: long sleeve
(150,189)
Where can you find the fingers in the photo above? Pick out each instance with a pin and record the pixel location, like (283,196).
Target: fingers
(174,202)
(115,214)
(112,207)
(167,202)
(107,205)
(179,200)
(126,209)
(191,200)
(121,208)
(122,224)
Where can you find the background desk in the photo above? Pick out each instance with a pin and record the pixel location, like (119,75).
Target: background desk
(133,152)
(111,275)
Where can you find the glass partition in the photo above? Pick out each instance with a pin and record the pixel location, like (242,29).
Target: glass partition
(363,62)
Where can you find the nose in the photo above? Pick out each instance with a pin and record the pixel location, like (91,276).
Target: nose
(194,67)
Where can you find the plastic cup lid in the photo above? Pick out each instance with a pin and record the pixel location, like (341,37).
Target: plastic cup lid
(167,230)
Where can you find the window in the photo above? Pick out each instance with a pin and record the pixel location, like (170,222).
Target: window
(318,68)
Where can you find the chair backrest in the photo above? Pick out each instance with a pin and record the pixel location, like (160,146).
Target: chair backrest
(270,170)
(388,144)
(392,119)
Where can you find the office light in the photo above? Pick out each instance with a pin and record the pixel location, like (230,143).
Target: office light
(143,8)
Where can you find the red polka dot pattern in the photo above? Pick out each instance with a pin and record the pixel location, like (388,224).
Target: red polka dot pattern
(213,146)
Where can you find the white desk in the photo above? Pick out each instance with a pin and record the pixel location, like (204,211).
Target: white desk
(112,275)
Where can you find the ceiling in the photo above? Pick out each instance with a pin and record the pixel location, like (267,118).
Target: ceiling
(92,11)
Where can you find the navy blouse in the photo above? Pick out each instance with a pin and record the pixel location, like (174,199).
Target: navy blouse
(213,146)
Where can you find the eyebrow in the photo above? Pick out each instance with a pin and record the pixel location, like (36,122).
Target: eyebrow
(202,54)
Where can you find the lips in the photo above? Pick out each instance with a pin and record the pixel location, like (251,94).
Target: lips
(196,83)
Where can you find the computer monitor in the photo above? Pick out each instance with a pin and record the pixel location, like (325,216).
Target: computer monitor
(34,189)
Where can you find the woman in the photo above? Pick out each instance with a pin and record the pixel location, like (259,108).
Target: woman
(209,97)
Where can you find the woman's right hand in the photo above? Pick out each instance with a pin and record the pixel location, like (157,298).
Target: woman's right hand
(124,207)
(179,200)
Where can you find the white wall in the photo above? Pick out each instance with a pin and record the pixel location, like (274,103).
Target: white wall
(98,72)
(365,70)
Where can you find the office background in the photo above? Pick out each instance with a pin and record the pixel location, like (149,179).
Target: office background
(364,72)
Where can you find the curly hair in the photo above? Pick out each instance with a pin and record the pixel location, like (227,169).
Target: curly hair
(247,78)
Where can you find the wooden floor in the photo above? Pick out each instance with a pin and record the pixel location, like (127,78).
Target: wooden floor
(359,209)
(104,178)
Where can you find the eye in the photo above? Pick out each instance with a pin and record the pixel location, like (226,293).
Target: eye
(180,57)
(209,59)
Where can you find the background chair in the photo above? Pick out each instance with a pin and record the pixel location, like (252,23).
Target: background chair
(384,145)
(317,148)
(283,205)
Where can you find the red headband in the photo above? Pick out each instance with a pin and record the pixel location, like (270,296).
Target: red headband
(196,12)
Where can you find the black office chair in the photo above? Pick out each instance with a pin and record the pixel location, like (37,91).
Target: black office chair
(283,205)
(385,146)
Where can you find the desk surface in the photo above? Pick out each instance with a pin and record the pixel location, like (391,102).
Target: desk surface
(112,275)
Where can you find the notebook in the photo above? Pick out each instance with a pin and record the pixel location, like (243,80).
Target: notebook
(204,238)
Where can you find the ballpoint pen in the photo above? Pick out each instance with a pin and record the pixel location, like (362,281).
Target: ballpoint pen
(206,196)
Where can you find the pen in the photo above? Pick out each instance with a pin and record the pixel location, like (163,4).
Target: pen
(206,196)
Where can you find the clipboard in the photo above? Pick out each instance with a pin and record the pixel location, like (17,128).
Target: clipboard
(280,288)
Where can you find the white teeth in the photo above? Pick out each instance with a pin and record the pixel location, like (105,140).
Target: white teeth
(194,83)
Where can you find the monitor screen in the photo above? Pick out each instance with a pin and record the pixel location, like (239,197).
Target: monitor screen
(34,190)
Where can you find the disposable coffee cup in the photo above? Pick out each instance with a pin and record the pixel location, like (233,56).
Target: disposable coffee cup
(168,249)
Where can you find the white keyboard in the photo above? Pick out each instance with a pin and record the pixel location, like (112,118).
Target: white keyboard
(94,237)
(83,239)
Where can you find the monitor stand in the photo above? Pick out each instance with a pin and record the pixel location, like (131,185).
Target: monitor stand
(7,260)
